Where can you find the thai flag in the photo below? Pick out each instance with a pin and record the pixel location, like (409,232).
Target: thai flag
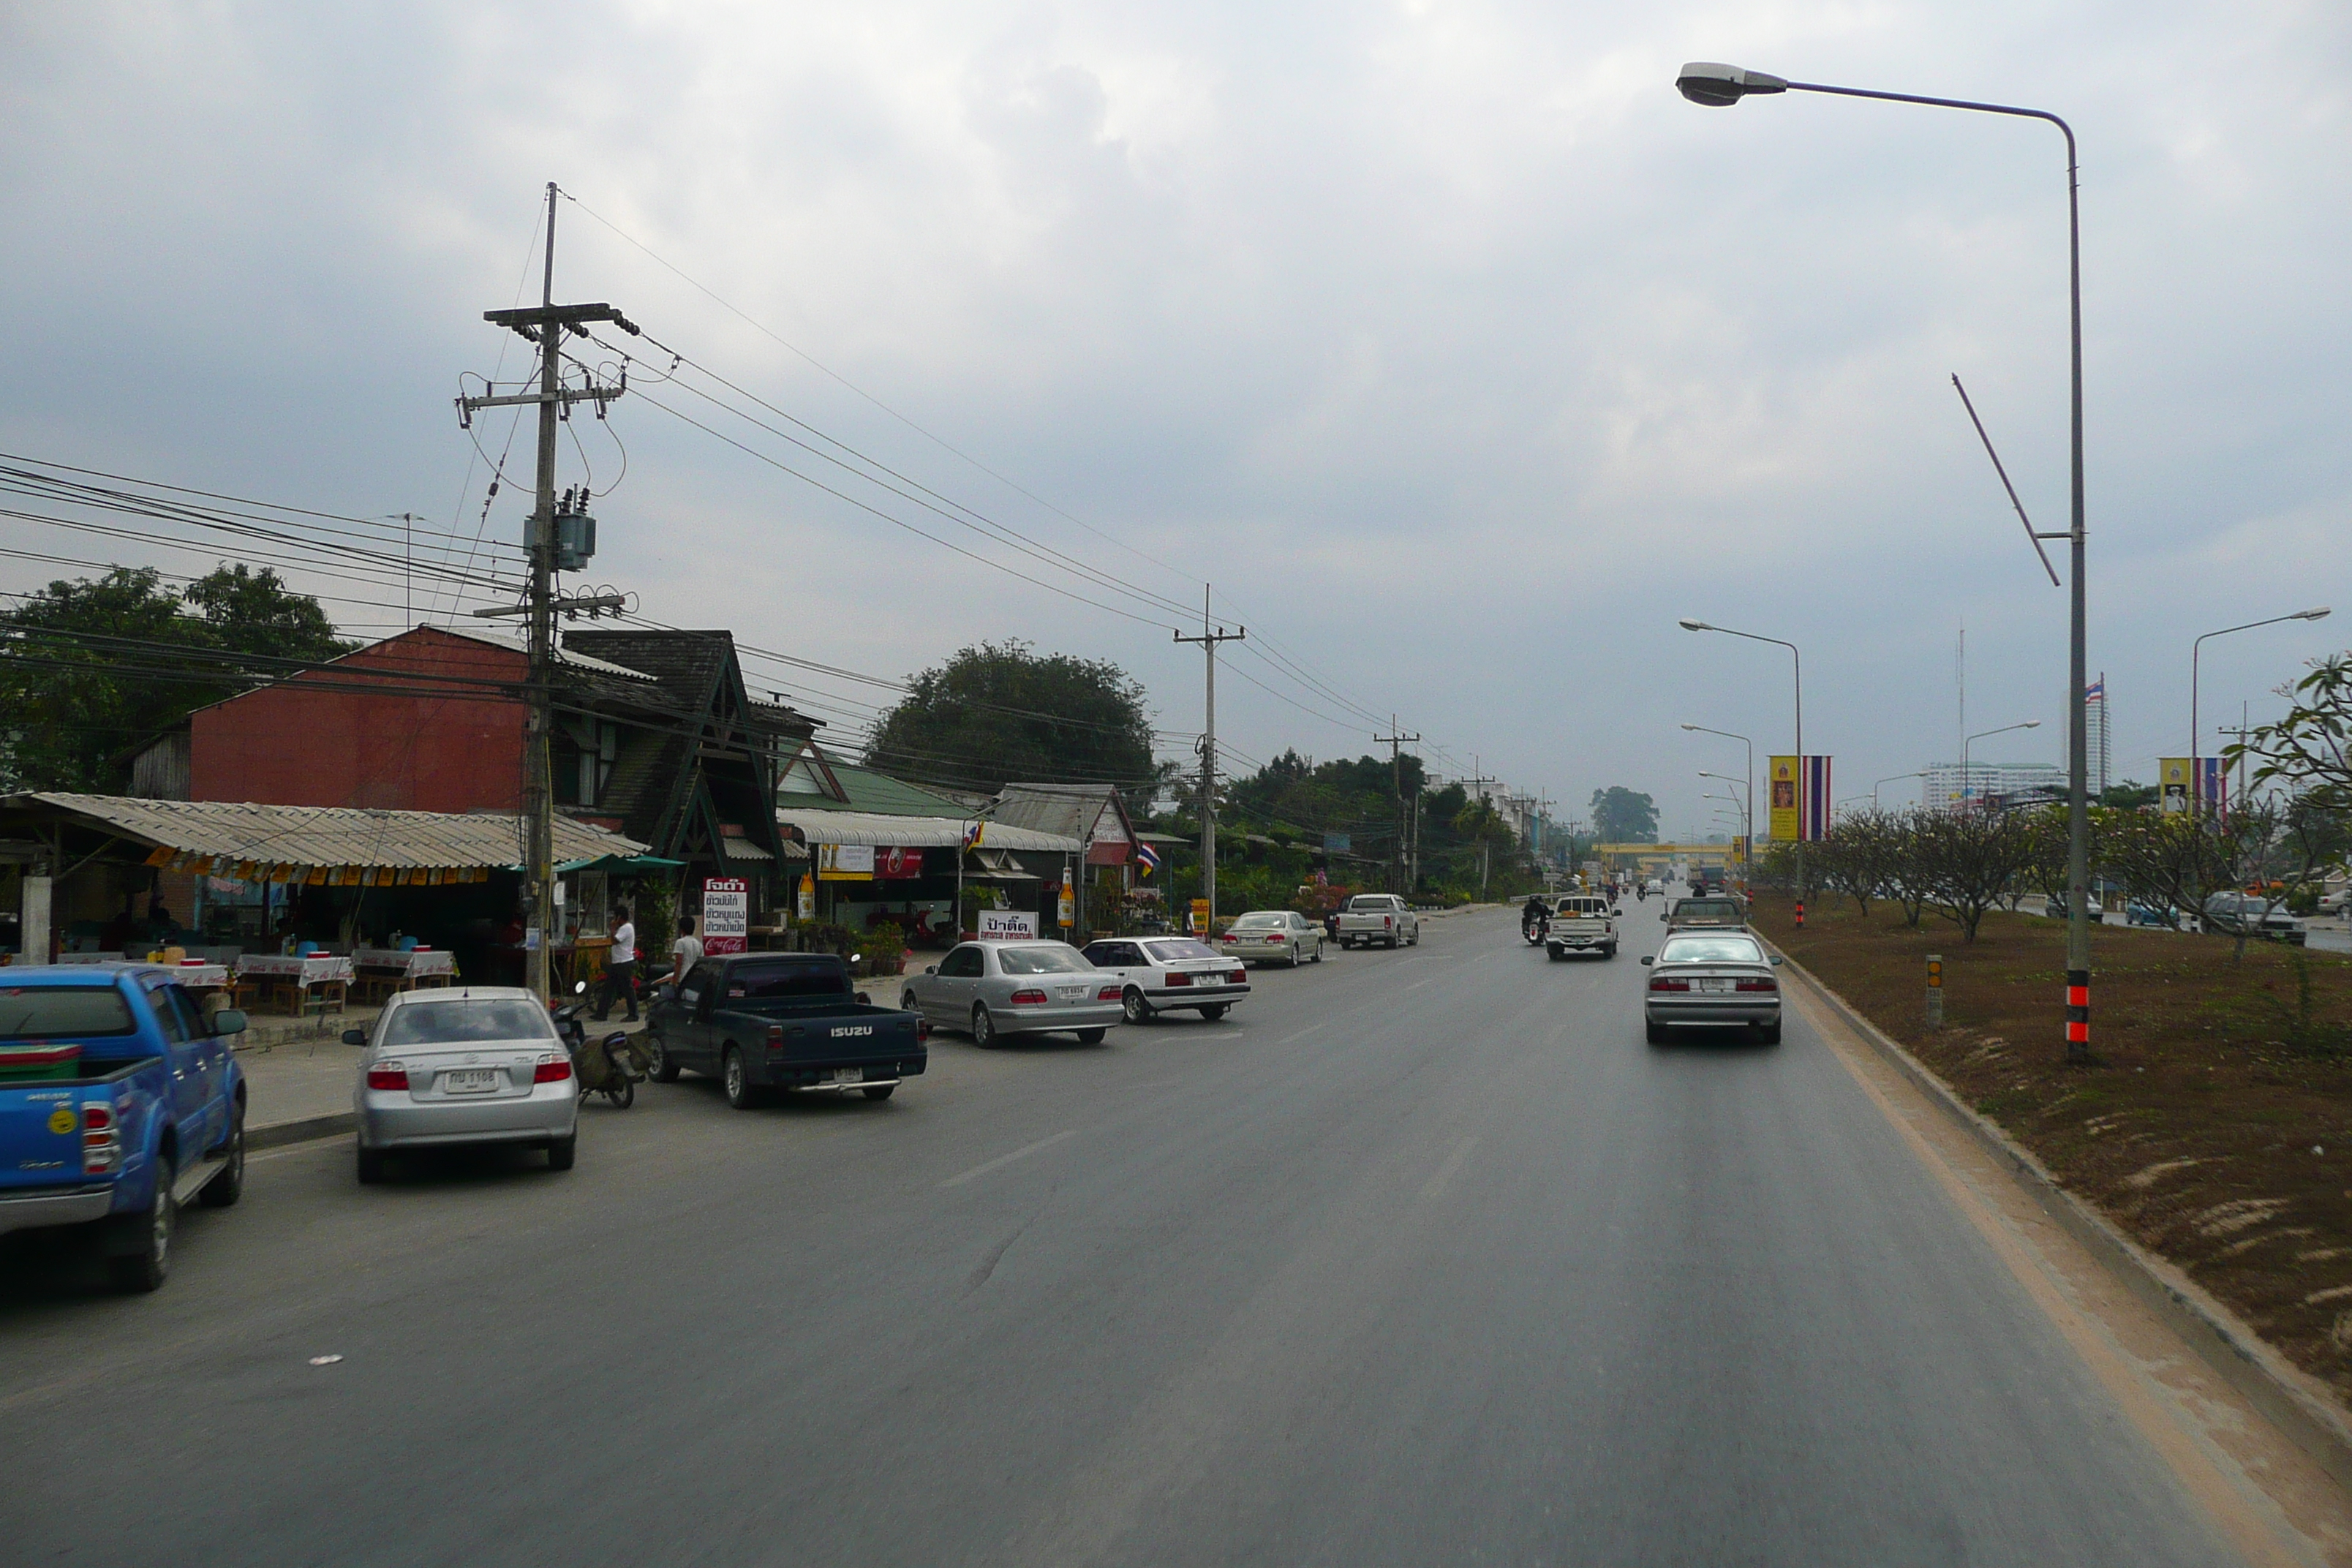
(1149,857)
(972,836)
(2096,691)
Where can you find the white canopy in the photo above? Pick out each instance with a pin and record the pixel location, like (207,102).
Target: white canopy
(887,832)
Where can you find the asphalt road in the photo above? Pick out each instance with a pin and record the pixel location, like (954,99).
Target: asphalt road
(1418,1257)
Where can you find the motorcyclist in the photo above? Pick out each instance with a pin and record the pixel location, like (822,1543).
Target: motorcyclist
(1535,916)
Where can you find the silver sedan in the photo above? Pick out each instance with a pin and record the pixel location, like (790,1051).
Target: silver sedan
(1170,973)
(999,988)
(481,1065)
(1265,934)
(1718,978)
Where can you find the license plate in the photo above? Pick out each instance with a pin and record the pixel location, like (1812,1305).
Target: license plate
(471,1080)
(1072,993)
(1715,987)
(849,1075)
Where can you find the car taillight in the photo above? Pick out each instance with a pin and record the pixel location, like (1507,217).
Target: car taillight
(775,1036)
(1108,993)
(922,1031)
(1388,921)
(1239,977)
(1276,940)
(388,1075)
(1660,982)
(101,1140)
(1028,999)
(550,1068)
(1766,984)
(1180,979)
(1231,937)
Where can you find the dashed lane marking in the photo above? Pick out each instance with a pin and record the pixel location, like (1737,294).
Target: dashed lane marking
(1003,1160)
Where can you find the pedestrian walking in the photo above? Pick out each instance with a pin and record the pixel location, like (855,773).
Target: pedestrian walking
(686,951)
(621,968)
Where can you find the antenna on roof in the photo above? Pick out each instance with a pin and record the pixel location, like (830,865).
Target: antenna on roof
(2030,533)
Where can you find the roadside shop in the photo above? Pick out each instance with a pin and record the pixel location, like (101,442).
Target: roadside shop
(870,868)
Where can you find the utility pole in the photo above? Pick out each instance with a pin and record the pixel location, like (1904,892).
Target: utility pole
(1209,639)
(1394,740)
(545,326)
(1478,780)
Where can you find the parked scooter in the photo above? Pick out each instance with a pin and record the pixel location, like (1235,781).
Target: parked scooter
(612,1069)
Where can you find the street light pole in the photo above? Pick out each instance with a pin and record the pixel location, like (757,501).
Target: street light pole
(1967,740)
(1892,777)
(1720,85)
(1702,730)
(2196,651)
(1746,804)
(1796,661)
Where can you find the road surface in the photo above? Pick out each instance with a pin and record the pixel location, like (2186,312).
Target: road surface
(1418,1257)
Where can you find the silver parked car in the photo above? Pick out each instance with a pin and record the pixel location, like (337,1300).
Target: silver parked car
(1265,934)
(999,988)
(1718,978)
(481,1065)
(1170,973)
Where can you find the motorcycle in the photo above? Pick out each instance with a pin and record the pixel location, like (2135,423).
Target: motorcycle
(1533,932)
(612,1070)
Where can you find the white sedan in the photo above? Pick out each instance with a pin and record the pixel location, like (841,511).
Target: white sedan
(1170,973)
(1265,934)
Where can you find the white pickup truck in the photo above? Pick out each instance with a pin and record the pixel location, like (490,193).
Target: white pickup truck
(1581,923)
(1379,918)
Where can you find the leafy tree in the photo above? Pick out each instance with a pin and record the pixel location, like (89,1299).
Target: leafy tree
(1622,817)
(1000,712)
(89,667)
(1969,859)
(2311,748)
(2127,795)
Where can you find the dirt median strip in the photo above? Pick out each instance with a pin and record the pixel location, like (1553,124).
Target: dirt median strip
(2298,1406)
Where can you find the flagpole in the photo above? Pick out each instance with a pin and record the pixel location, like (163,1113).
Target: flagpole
(955,919)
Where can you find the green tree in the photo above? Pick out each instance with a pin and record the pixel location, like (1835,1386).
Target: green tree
(89,667)
(1000,712)
(1619,815)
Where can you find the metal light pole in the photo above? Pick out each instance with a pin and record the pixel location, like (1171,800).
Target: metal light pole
(1892,777)
(1702,730)
(1720,85)
(1746,804)
(1798,664)
(2196,651)
(1967,740)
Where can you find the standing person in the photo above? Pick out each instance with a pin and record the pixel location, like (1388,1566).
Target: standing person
(621,968)
(687,951)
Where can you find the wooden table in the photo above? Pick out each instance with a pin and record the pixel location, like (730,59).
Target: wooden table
(314,983)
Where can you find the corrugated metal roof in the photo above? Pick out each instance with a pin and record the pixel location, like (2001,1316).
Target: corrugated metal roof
(887,831)
(498,636)
(1086,812)
(323,835)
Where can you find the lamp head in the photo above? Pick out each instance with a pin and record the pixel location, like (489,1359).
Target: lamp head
(1720,85)
(2319,613)
(2030,724)
(1691,626)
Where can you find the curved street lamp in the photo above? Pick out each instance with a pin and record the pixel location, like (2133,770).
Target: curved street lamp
(1980,735)
(1890,778)
(1719,86)
(2196,650)
(1746,804)
(1798,665)
(1728,735)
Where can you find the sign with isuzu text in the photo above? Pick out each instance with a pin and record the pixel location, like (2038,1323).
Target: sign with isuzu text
(726,914)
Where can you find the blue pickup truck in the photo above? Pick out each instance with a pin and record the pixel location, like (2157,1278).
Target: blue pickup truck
(119,1102)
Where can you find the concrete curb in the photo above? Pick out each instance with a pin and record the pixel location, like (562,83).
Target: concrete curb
(2292,1401)
(301,1132)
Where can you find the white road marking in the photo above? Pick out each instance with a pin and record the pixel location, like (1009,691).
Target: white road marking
(1303,1033)
(1453,1166)
(1003,1160)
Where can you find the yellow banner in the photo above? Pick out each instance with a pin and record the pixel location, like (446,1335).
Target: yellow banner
(1782,818)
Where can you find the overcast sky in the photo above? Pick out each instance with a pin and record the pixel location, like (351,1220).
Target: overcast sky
(1457,350)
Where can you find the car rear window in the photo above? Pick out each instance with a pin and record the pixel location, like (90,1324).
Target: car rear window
(1055,960)
(465,1021)
(1258,922)
(1709,908)
(1171,950)
(51,1012)
(784,981)
(1710,949)
(1584,906)
(1376,905)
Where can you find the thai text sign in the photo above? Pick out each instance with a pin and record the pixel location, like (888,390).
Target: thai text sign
(1007,925)
(844,862)
(726,914)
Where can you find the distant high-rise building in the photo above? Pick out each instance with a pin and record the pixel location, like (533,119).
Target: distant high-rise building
(2100,728)
(1948,790)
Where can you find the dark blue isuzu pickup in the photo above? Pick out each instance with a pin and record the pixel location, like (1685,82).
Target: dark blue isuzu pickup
(119,1102)
(761,1022)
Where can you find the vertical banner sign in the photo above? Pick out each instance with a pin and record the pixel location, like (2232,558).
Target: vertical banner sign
(1201,916)
(726,914)
(1814,798)
(1781,820)
(808,896)
(2172,778)
(2215,780)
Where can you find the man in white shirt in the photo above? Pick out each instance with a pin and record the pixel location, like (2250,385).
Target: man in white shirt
(688,950)
(621,967)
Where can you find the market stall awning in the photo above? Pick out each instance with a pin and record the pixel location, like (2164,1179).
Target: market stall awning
(617,865)
(335,845)
(876,828)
